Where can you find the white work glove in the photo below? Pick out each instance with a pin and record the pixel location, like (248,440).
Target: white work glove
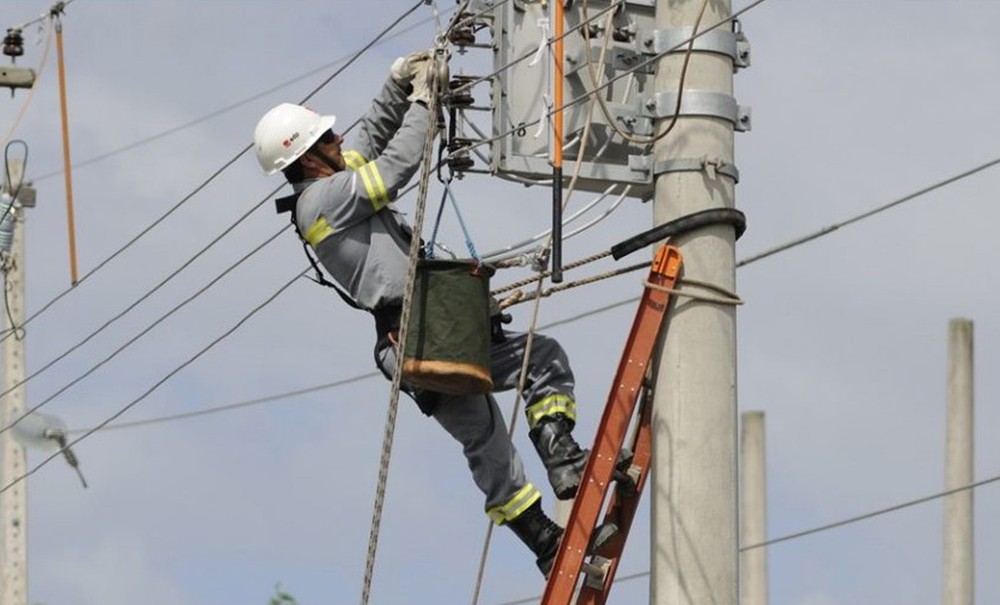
(422,83)
(405,68)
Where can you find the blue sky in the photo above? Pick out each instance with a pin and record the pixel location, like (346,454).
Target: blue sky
(842,341)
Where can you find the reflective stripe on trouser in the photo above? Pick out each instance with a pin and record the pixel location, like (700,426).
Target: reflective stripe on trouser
(550,406)
(549,385)
(513,508)
(475,421)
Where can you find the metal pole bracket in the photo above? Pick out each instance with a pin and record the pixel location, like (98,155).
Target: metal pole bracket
(699,103)
(713,167)
(719,41)
(710,166)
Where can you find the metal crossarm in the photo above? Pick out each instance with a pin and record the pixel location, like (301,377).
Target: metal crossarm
(604,457)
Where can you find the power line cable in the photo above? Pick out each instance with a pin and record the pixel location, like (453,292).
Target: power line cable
(142,333)
(236,406)
(132,241)
(223,110)
(826,230)
(815,530)
(864,215)
(310,95)
(56,9)
(891,509)
(876,513)
(140,300)
(788,537)
(162,283)
(158,384)
(224,167)
(776,250)
(343,382)
(149,293)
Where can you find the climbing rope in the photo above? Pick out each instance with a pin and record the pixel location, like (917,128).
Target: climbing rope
(678,226)
(397,375)
(530,280)
(727,298)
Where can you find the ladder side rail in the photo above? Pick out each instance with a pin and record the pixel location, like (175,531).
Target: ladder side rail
(615,421)
(623,505)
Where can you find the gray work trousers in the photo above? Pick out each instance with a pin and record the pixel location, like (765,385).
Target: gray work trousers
(475,421)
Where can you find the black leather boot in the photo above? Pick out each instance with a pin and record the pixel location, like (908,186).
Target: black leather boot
(560,453)
(540,534)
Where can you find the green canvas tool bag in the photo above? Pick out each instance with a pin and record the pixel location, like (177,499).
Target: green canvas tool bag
(448,334)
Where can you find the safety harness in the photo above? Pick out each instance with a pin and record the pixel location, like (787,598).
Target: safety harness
(387,318)
(287,204)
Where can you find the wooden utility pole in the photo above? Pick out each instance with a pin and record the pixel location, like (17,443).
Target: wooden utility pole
(14,501)
(958,544)
(694,542)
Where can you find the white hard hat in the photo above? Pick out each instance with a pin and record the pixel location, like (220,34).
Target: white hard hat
(285,133)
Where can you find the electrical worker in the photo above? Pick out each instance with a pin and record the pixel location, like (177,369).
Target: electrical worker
(342,206)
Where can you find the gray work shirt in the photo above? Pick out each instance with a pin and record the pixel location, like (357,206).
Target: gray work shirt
(360,239)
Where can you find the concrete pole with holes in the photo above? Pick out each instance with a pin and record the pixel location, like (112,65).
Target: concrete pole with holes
(14,501)
(753,575)
(694,542)
(958,543)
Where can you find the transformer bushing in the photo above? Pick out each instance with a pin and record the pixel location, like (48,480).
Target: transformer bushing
(13,43)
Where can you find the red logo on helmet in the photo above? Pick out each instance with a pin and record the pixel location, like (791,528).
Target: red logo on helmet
(288,142)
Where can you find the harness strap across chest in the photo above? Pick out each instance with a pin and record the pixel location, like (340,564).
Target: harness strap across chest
(287,204)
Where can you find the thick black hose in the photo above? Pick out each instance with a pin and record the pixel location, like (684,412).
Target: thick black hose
(704,218)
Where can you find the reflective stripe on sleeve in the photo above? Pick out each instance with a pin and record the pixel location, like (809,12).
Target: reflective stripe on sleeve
(551,405)
(319,231)
(353,159)
(513,508)
(374,186)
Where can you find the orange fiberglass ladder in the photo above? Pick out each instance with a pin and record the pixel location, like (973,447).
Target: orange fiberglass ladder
(604,465)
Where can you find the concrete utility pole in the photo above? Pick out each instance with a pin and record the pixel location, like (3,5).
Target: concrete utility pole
(694,544)
(753,574)
(958,545)
(14,502)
